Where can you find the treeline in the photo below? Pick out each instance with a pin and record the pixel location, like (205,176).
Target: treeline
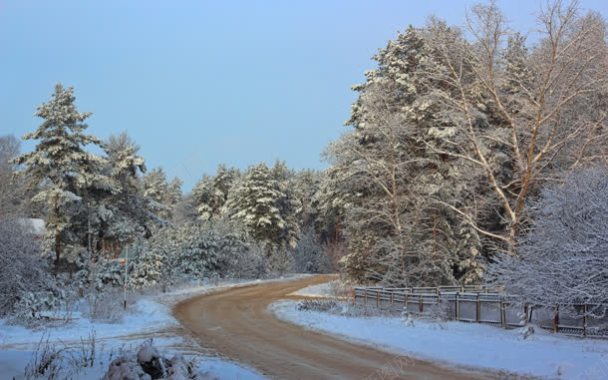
(455,133)
(109,220)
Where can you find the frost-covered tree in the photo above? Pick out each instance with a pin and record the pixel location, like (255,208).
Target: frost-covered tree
(305,185)
(185,210)
(205,199)
(310,255)
(261,204)
(128,214)
(13,195)
(67,178)
(543,108)
(163,196)
(210,193)
(455,130)
(388,182)
(563,259)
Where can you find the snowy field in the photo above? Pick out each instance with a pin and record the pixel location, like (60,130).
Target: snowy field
(461,344)
(149,317)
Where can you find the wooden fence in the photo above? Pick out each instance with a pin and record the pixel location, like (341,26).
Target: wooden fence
(481,305)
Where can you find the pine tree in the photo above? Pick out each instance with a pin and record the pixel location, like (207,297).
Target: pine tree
(210,193)
(389,181)
(67,178)
(128,215)
(162,196)
(266,211)
(204,198)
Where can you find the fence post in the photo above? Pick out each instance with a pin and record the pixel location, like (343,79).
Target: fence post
(392,298)
(556,319)
(477,309)
(585,320)
(377,298)
(502,312)
(457,307)
(420,304)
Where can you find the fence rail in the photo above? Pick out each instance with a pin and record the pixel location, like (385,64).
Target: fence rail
(481,305)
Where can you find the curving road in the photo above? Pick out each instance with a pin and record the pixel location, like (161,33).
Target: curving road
(236,322)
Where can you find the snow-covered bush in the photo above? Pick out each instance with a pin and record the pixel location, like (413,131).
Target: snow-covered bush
(149,266)
(195,251)
(109,273)
(26,285)
(316,305)
(104,306)
(564,257)
(32,305)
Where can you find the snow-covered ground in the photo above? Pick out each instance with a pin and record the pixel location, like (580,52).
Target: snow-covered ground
(543,354)
(149,317)
(463,344)
(320,290)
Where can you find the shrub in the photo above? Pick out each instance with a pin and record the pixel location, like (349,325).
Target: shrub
(26,285)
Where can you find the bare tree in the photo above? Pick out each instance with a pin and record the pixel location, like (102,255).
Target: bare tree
(11,188)
(549,104)
(564,258)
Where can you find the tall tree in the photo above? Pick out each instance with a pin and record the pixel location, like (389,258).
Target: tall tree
(129,214)
(66,177)
(545,109)
(11,188)
(454,135)
(389,180)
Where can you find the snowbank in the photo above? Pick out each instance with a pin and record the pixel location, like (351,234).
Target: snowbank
(463,344)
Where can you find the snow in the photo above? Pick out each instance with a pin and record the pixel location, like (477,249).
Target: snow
(463,344)
(315,291)
(149,317)
(144,313)
(37,225)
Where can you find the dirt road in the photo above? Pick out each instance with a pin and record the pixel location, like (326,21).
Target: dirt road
(237,323)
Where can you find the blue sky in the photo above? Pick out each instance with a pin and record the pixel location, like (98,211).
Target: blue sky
(198,83)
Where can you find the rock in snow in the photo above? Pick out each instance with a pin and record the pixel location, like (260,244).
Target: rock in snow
(149,364)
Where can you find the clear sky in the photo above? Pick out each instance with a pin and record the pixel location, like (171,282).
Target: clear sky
(198,83)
